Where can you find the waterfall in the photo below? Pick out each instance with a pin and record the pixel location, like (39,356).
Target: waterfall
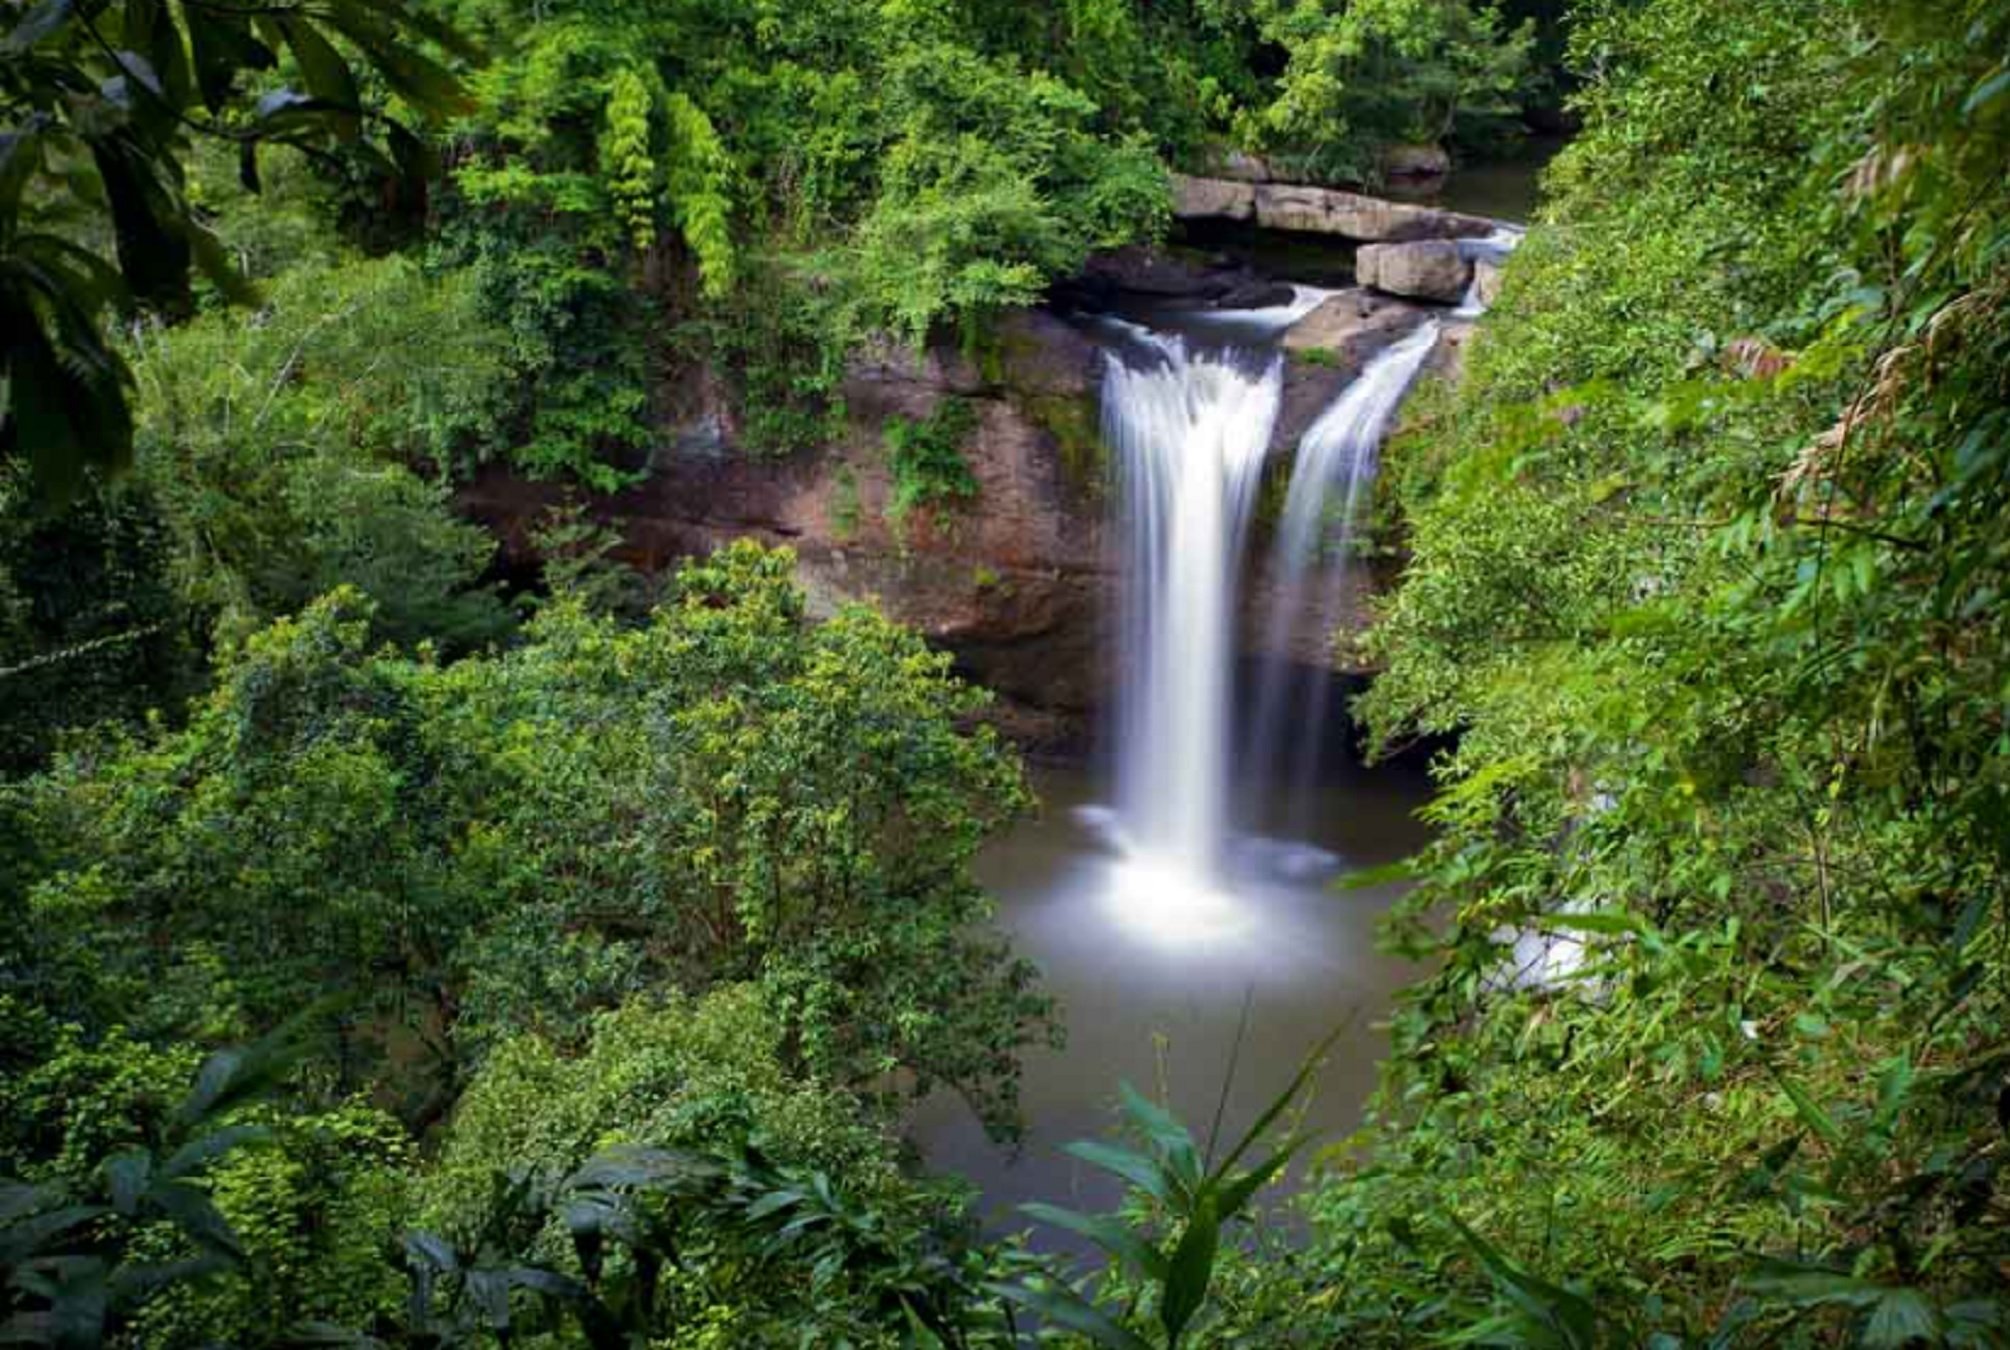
(1189,422)
(1189,426)
(1334,466)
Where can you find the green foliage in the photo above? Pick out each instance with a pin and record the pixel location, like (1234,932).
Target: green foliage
(689,1249)
(625,157)
(315,1210)
(705,1074)
(92,627)
(1164,1261)
(734,792)
(284,452)
(1704,560)
(926,458)
(1359,76)
(101,103)
(578,563)
(729,793)
(81,1259)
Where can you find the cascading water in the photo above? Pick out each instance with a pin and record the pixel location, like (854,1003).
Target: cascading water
(1335,464)
(1189,426)
(1190,423)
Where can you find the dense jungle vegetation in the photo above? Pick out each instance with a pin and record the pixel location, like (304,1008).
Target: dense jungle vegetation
(393,956)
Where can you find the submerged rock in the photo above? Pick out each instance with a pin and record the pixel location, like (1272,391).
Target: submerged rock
(1423,160)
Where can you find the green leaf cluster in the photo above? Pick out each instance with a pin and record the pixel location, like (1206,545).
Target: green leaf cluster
(1702,592)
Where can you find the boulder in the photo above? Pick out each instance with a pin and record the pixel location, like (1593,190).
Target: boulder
(1213,199)
(1329,347)
(1429,269)
(1353,325)
(1314,210)
(1486,281)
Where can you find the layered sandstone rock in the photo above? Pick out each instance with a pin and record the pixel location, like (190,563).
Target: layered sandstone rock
(1316,210)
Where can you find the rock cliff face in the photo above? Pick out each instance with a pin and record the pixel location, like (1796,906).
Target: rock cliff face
(1015,586)
(1019,585)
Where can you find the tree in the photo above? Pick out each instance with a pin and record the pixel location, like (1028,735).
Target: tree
(101,102)
(729,793)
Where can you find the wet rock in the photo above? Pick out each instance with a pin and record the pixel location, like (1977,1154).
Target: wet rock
(1353,325)
(1328,348)
(1431,269)
(1258,295)
(1486,281)
(1141,270)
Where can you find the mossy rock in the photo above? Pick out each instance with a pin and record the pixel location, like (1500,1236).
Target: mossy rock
(1076,424)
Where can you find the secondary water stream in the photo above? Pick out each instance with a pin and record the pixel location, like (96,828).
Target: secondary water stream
(1195,878)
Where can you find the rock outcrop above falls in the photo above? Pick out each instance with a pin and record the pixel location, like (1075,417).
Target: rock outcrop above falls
(1317,210)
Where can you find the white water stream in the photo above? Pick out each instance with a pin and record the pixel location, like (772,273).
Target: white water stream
(1314,543)
(1189,427)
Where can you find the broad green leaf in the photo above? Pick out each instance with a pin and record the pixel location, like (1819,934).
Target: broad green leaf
(1901,1317)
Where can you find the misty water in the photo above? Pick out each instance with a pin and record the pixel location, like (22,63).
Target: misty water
(1143,1005)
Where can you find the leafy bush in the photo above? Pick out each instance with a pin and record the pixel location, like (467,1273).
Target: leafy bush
(1701,562)
(706,1074)
(927,459)
(730,793)
(284,450)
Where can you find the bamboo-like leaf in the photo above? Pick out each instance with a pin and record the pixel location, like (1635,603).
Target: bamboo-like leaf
(1191,1269)
(1133,1167)
(1563,1312)
(1164,1129)
(1236,1192)
(1810,1112)
(1106,1231)
(1065,1308)
(1282,1101)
